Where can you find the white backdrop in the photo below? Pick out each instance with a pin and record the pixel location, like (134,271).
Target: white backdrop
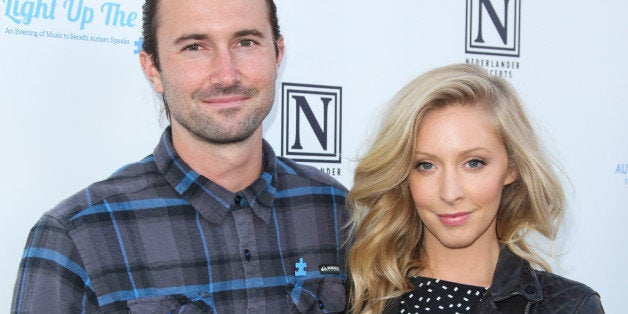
(77,106)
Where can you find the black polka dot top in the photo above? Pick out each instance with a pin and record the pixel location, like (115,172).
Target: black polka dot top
(440,296)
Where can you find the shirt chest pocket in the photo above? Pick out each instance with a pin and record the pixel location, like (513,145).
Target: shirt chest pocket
(318,295)
(167,304)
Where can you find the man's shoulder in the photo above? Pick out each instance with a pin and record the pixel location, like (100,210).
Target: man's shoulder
(126,181)
(288,167)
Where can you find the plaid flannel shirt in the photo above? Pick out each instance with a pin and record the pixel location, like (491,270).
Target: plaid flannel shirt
(158,237)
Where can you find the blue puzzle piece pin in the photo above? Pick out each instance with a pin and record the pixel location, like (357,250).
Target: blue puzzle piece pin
(300,266)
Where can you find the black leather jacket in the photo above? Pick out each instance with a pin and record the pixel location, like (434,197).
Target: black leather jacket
(517,288)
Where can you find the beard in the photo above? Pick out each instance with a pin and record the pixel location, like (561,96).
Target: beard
(226,126)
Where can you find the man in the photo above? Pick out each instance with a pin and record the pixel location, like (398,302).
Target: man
(212,221)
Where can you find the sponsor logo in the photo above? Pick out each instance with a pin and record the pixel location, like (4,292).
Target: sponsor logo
(138,45)
(311,129)
(75,20)
(329,269)
(503,68)
(493,27)
(622,170)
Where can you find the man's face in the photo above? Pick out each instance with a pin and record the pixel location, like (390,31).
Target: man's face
(218,67)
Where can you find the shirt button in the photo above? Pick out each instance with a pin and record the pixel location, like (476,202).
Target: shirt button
(238,199)
(530,289)
(321,305)
(247,255)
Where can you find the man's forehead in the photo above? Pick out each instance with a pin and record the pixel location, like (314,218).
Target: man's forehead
(212,9)
(203,16)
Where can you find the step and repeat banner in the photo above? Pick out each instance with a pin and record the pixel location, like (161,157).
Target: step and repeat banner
(76,106)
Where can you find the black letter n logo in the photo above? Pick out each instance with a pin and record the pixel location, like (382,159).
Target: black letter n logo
(311,122)
(321,133)
(493,27)
(502,29)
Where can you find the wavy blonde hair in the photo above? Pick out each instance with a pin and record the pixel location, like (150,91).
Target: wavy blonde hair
(385,227)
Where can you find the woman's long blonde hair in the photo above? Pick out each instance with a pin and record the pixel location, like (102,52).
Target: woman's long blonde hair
(385,227)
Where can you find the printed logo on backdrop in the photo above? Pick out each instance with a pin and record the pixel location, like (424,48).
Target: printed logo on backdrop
(89,21)
(493,33)
(622,171)
(311,128)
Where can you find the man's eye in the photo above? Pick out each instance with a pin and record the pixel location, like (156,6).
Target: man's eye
(193,47)
(246,43)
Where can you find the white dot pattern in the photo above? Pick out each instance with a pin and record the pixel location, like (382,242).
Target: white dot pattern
(440,296)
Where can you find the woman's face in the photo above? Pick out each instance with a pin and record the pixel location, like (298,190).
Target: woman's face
(460,169)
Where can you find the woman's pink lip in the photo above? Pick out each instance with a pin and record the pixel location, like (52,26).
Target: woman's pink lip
(454,219)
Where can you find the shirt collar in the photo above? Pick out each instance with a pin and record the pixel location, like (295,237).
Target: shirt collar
(211,200)
(514,276)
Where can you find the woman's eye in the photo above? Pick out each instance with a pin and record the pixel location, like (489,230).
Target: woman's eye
(424,166)
(475,163)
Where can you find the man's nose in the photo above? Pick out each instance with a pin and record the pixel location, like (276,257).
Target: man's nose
(224,71)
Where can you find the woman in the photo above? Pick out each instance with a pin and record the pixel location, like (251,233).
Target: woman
(445,199)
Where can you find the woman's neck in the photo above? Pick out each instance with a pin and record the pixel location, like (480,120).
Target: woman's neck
(473,265)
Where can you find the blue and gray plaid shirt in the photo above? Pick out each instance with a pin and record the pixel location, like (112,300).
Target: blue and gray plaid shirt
(157,237)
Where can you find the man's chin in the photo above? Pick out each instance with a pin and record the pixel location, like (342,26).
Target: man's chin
(224,139)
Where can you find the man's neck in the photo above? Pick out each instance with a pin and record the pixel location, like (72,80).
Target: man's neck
(232,166)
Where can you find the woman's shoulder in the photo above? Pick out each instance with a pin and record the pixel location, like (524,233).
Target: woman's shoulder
(568,296)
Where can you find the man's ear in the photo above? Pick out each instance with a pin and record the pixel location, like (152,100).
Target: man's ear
(280,51)
(150,70)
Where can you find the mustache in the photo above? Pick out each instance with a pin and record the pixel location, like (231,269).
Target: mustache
(234,90)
